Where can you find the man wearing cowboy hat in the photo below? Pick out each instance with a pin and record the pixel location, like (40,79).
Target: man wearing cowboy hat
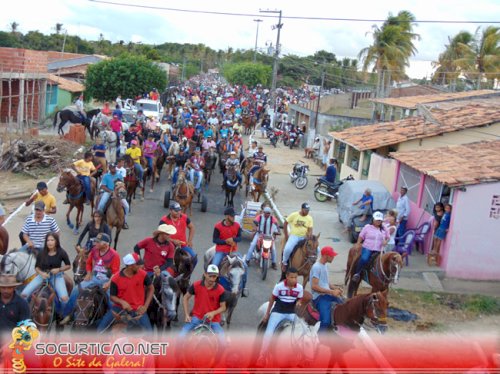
(13,308)
(159,250)
(131,291)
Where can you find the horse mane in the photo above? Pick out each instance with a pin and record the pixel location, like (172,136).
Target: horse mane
(352,311)
(70,171)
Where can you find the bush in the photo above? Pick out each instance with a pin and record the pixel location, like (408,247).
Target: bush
(248,74)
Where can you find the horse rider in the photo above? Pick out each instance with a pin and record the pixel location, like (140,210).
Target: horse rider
(180,160)
(226,236)
(209,302)
(196,162)
(80,109)
(85,169)
(182,223)
(149,147)
(35,229)
(135,153)
(301,227)
(117,127)
(42,194)
(108,186)
(252,149)
(96,225)
(265,224)
(232,163)
(13,308)
(208,143)
(120,169)
(164,142)
(159,250)
(281,307)
(102,262)
(224,131)
(323,293)
(131,291)
(372,239)
(99,150)
(259,160)
(140,116)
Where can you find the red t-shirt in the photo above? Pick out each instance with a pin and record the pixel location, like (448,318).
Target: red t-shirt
(226,232)
(155,254)
(108,263)
(206,300)
(180,224)
(116,125)
(131,289)
(189,132)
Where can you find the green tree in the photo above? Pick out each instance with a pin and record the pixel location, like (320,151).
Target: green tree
(125,75)
(248,73)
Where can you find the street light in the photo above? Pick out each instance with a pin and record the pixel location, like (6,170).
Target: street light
(256,38)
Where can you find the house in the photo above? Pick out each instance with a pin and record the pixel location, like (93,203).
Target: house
(74,68)
(61,92)
(362,151)
(468,177)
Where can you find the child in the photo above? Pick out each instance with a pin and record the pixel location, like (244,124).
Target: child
(390,225)
(439,236)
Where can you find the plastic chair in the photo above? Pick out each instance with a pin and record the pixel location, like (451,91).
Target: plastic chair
(405,243)
(420,234)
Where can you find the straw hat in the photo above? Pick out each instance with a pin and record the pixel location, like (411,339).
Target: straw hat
(165,229)
(8,280)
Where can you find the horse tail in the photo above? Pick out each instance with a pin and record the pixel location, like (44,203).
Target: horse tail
(56,121)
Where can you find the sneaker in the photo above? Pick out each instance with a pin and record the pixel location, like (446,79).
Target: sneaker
(274,267)
(355,278)
(65,320)
(125,226)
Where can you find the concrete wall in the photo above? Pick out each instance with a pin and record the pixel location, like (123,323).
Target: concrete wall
(383,169)
(471,249)
(476,134)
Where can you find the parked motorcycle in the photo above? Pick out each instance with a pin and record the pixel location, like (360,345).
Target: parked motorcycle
(273,136)
(262,253)
(299,175)
(324,190)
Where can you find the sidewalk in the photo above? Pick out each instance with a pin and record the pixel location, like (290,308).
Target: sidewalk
(418,276)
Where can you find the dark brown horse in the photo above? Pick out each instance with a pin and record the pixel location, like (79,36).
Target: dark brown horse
(42,307)
(131,179)
(304,257)
(183,192)
(91,306)
(260,179)
(115,216)
(210,163)
(163,309)
(383,271)
(161,158)
(76,196)
(4,240)
(80,266)
(249,121)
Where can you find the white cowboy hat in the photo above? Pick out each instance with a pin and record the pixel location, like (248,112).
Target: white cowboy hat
(8,280)
(165,229)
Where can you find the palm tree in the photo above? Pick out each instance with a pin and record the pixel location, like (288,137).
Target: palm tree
(486,53)
(391,49)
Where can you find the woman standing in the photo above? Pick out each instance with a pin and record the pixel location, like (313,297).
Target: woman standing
(372,238)
(94,227)
(438,213)
(439,236)
(49,265)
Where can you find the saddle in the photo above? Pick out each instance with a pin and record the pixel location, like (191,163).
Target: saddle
(368,266)
(299,244)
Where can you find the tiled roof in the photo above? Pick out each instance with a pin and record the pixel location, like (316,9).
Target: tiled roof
(411,102)
(67,84)
(457,165)
(444,121)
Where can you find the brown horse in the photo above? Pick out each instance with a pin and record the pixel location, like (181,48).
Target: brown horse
(90,307)
(131,180)
(260,179)
(76,196)
(80,266)
(303,257)
(383,271)
(4,240)
(249,121)
(183,192)
(42,307)
(115,216)
(161,158)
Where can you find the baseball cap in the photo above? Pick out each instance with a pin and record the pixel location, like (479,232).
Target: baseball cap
(229,212)
(102,238)
(174,205)
(112,165)
(212,269)
(378,216)
(39,205)
(132,259)
(306,206)
(41,186)
(328,251)
(133,142)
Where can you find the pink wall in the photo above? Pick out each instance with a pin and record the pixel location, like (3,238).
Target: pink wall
(472,249)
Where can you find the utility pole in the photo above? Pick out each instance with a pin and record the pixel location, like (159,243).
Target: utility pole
(319,97)
(256,38)
(183,76)
(276,53)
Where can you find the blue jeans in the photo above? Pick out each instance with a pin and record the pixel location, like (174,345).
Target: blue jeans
(84,284)
(150,162)
(363,259)
(401,228)
(86,185)
(219,256)
(108,319)
(25,249)
(324,305)
(195,321)
(174,177)
(192,253)
(104,200)
(199,178)
(139,170)
(292,241)
(56,281)
(232,184)
(272,323)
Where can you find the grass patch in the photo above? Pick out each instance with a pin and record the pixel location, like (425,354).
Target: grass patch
(482,304)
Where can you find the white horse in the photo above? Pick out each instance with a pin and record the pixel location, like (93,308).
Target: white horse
(19,263)
(297,337)
(109,140)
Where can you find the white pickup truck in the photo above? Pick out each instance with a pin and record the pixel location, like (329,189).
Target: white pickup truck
(150,108)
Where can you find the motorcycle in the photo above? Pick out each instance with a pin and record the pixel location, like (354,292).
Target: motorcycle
(273,136)
(285,137)
(324,190)
(294,138)
(262,253)
(299,175)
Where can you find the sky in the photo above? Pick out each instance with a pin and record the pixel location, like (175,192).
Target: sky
(89,19)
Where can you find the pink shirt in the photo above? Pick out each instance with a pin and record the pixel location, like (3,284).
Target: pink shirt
(206,145)
(373,237)
(116,125)
(149,148)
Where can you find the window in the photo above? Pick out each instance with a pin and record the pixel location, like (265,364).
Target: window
(339,151)
(51,94)
(410,178)
(432,194)
(353,159)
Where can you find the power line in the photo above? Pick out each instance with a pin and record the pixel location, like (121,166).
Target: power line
(284,17)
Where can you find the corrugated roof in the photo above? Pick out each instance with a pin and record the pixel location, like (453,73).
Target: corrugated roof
(458,165)
(411,102)
(66,84)
(444,121)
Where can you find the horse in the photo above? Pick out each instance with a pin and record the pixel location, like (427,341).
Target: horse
(303,257)
(131,179)
(249,122)
(163,308)
(230,186)
(98,123)
(80,266)
(91,306)
(183,192)
(260,179)
(21,264)
(160,159)
(42,306)
(76,196)
(380,273)
(63,116)
(4,240)
(115,216)
(210,163)
(231,272)
(109,139)
(173,151)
